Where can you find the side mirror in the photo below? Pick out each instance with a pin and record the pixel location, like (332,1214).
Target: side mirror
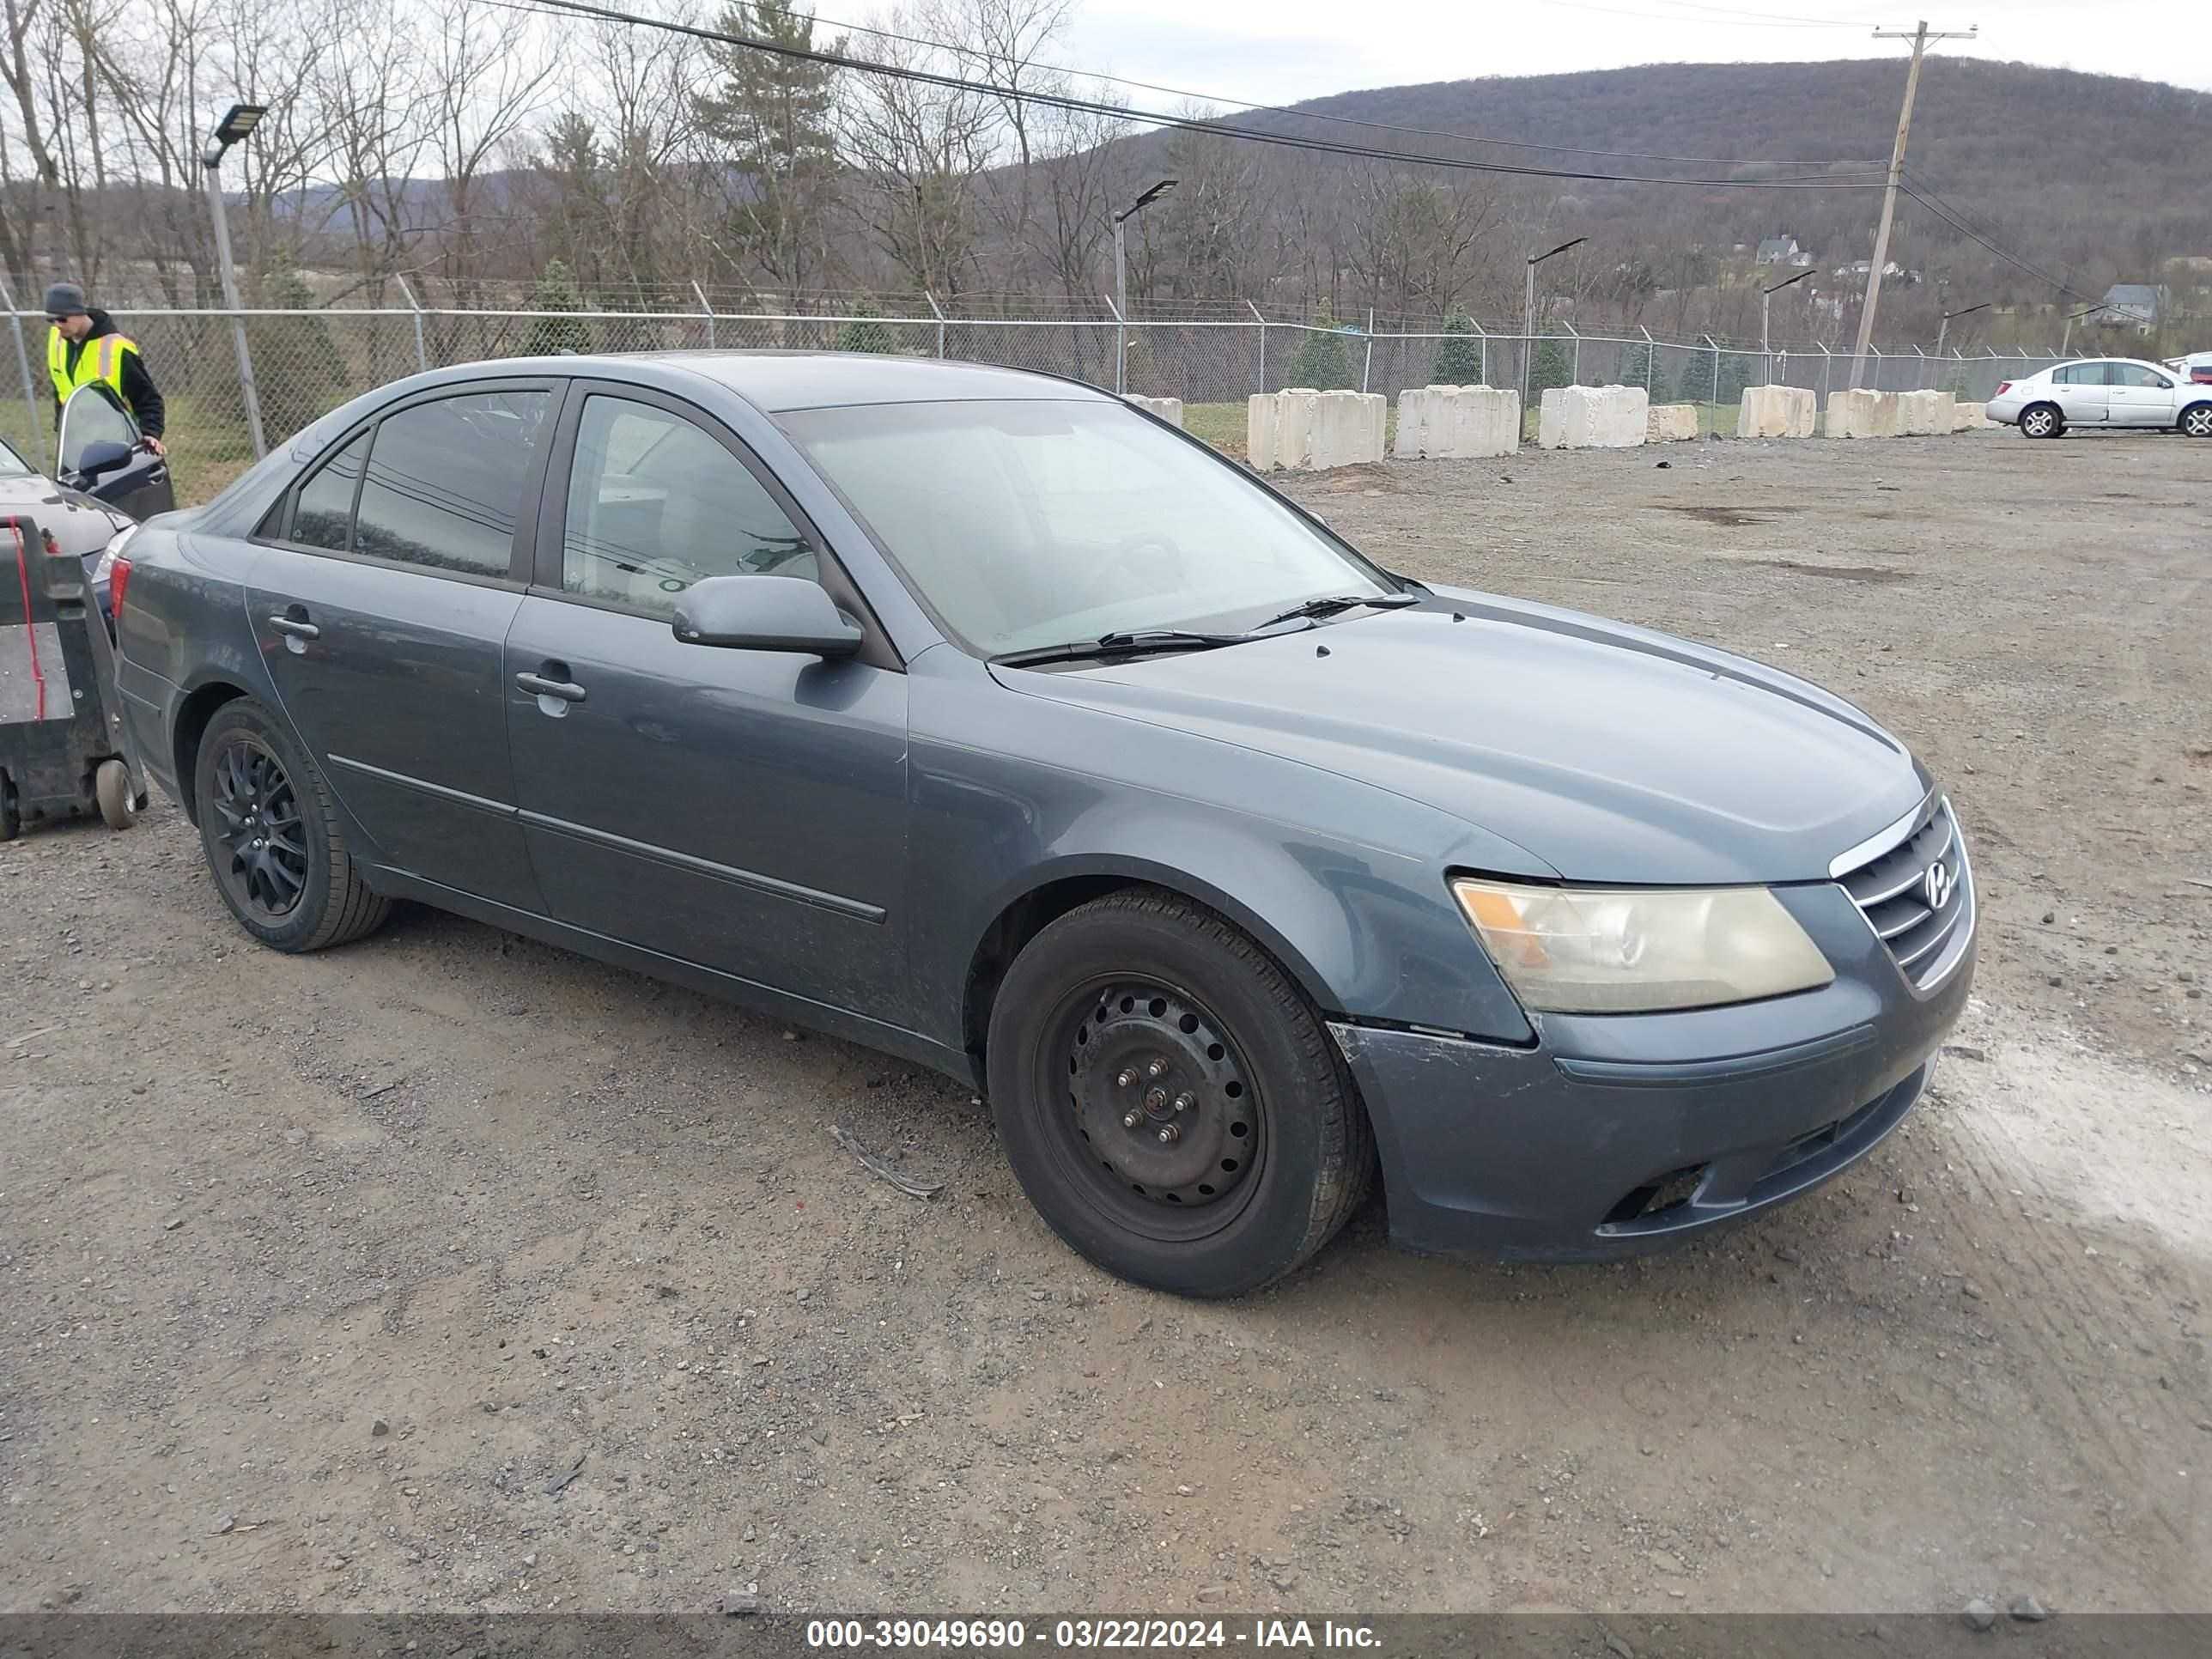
(103,457)
(764,613)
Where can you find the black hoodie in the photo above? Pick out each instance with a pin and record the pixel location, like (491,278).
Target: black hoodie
(140,395)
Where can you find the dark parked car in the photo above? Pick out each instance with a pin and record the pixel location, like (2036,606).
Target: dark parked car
(107,482)
(978,717)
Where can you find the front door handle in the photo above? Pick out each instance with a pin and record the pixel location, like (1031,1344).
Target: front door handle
(539,685)
(299,628)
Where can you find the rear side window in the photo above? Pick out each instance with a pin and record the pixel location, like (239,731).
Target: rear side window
(2078,375)
(445,481)
(324,517)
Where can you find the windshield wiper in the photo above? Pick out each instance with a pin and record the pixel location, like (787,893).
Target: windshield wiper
(1120,645)
(1330,606)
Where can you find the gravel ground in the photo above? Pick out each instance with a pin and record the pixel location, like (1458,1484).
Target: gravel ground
(452,1271)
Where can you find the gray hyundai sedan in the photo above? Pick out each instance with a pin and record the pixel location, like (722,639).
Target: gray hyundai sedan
(977,717)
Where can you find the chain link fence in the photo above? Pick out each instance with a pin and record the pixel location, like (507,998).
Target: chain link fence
(306,362)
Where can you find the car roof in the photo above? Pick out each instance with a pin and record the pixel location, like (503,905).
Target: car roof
(777,381)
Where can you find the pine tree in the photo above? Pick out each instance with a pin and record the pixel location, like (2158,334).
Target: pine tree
(1320,363)
(774,116)
(1555,367)
(557,291)
(865,333)
(1459,360)
(1636,365)
(297,370)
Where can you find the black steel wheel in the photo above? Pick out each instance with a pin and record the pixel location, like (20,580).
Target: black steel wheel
(270,836)
(1162,1125)
(1170,1099)
(2041,420)
(11,817)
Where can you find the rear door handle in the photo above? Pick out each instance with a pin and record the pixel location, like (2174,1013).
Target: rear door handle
(298,627)
(539,685)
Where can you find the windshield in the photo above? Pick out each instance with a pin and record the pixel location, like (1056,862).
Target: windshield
(1022,524)
(12,465)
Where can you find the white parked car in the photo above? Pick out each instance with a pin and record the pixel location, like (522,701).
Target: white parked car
(2104,391)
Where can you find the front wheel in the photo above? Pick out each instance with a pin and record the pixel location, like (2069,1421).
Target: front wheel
(2042,420)
(2196,421)
(1169,1100)
(271,839)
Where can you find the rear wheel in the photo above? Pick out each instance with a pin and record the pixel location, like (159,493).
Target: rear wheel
(1169,1100)
(2041,420)
(2197,420)
(272,839)
(11,817)
(111,789)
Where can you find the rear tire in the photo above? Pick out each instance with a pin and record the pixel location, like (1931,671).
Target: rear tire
(2196,421)
(111,789)
(11,817)
(272,839)
(2042,420)
(1171,1102)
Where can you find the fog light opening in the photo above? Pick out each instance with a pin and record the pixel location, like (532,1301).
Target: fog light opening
(1657,1197)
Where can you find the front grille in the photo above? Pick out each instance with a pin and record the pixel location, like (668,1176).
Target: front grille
(1891,890)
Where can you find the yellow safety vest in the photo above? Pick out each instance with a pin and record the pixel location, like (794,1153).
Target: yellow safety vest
(100,360)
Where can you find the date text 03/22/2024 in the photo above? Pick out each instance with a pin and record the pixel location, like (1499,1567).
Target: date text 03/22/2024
(1155,1635)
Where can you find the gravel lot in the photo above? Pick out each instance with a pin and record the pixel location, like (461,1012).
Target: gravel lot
(318,1276)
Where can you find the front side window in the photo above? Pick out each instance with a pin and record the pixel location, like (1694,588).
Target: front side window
(92,416)
(444,486)
(1022,523)
(324,516)
(656,504)
(2135,375)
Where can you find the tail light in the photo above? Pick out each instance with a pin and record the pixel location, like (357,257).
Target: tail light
(2003,386)
(118,579)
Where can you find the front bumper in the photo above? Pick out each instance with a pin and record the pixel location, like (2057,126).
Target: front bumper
(1615,1135)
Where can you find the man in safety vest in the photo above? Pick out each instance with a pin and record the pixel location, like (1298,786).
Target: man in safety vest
(83,346)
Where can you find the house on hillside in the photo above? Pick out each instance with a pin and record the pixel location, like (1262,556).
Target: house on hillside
(1782,251)
(2129,305)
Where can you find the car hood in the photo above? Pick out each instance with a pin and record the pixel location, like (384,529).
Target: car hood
(1612,753)
(78,524)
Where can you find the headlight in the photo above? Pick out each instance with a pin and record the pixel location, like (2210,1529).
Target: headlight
(1599,950)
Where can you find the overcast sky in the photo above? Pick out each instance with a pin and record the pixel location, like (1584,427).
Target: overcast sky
(1281,51)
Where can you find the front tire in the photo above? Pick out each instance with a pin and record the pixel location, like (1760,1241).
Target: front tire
(1169,1100)
(2041,420)
(272,839)
(2196,421)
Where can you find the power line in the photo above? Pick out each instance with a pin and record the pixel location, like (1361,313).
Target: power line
(1347,120)
(2004,254)
(1187,124)
(1960,219)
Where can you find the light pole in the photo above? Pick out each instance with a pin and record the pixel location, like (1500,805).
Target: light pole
(1121,276)
(1765,305)
(1528,314)
(1944,327)
(241,119)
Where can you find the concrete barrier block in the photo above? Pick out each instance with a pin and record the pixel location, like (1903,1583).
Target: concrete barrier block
(1924,413)
(1862,414)
(1304,430)
(1777,411)
(1670,424)
(1970,418)
(1168,409)
(1592,417)
(1348,428)
(1457,422)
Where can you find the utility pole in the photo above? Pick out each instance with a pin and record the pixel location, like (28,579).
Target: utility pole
(1920,37)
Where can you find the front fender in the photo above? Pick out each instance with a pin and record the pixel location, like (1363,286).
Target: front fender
(1343,883)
